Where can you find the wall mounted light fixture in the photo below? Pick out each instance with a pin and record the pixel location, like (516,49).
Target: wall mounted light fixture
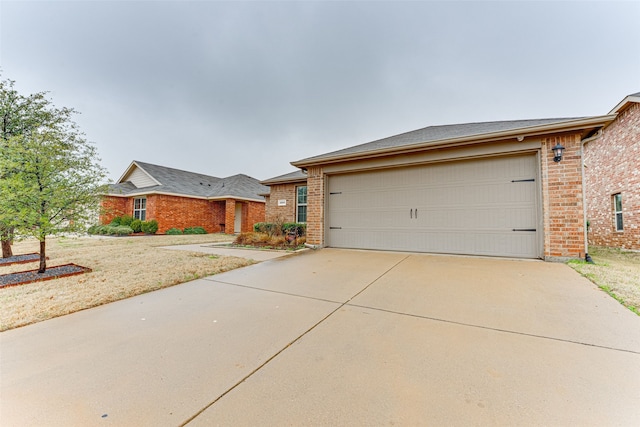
(557,152)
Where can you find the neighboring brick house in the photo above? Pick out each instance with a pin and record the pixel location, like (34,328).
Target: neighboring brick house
(180,199)
(612,175)
(489,188)
(287,199)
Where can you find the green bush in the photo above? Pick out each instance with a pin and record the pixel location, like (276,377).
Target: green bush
(136,225)
(173,231)
(297,228)
(195,230)
(94,229)
(115,221)
(266,227)
(126,220)
(121,230)
(150,227)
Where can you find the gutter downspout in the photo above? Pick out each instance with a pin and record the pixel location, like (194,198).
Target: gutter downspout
(587,257)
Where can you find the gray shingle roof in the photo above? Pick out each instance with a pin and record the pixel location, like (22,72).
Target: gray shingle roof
(298,175)
(176,181)
(438,133)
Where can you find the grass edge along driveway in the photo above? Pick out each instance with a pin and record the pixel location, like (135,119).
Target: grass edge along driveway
(615,271)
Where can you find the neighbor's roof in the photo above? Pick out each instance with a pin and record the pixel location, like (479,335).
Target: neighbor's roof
(452,134)
(296,176)
(184,183)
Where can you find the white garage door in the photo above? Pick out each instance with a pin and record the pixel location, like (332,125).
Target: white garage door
(480,207)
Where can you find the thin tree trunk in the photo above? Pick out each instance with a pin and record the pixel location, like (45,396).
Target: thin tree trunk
(43,256)
(6,235)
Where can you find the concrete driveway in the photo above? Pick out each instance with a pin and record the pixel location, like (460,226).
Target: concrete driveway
(337,337)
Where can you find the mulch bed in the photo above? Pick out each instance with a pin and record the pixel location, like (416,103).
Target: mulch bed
(30,276)
(20,259)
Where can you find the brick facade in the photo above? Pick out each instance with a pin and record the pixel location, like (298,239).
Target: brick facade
(285,192)
(612,165)
(562,200)
(315,205)
(214,216)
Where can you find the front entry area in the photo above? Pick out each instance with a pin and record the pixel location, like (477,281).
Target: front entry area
(488,206)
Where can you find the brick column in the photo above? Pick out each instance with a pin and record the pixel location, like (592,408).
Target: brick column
(563,211)
(229,216)
(315,206)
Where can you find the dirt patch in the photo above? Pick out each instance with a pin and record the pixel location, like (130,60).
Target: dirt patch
(616,272)
(122,267)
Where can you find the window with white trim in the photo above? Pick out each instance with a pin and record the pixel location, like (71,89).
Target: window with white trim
(140,208)
(301,203)
(617,211)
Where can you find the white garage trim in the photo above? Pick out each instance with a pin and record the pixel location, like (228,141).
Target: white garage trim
(486,206)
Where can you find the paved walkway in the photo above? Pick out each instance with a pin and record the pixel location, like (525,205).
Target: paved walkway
(337,337)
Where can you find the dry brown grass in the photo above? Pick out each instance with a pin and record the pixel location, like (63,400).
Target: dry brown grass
(616,272)
(122,267)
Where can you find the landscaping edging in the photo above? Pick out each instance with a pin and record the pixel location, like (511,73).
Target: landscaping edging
(20,259)
(30,276)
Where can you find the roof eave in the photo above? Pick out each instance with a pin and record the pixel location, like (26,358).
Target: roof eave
(189,196)
(269,182)
(623,104)
(565,126)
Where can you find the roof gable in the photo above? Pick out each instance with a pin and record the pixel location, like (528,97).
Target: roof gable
(146,178)
(635,97)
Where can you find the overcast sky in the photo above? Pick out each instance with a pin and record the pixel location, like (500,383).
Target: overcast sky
(246,87)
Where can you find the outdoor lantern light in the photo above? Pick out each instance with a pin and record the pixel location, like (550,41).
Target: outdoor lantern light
(557,152)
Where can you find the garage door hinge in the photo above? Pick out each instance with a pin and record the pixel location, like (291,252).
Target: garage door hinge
(523,180)
(335,228)
(524,229)
(336,192)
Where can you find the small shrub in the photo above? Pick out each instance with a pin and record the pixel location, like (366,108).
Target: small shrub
(121,230)
(150,227)
(115,221)
(299,229)
(94,229)
(195,230)
(136,225)
(126,220)
(173,231)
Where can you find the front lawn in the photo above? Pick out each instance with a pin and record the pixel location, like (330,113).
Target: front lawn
(122,267)
(615,271)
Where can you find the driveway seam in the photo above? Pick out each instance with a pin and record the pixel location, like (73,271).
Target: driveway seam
(492,329)
(277,292)
(250,374)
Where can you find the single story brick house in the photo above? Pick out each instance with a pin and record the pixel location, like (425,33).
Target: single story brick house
(287,199)
(493,189)
(179,199)
(612,177)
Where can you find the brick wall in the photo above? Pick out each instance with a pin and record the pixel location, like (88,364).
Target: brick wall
(282,192)
(111,207)
(182,212)
(562,201)
(612,165)
(315,205)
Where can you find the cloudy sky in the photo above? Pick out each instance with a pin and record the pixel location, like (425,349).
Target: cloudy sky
(248,86)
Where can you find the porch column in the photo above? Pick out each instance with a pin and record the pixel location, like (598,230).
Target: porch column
(229,216)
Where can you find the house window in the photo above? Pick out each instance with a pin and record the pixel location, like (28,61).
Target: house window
(301,204)
(617,211)
(140,208)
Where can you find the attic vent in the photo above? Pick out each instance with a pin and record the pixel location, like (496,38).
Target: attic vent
(200,183)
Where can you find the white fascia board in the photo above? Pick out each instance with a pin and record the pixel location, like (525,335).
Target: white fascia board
(624,103)
(130,168)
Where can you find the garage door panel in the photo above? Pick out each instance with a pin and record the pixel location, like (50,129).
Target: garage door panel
(468,207)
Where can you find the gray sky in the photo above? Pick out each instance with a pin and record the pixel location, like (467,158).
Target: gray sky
(246,87)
